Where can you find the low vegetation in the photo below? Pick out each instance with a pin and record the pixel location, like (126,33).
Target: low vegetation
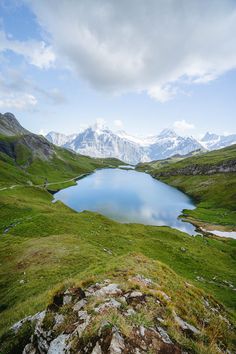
(132,303)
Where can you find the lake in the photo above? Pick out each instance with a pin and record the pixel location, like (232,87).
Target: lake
(129,196)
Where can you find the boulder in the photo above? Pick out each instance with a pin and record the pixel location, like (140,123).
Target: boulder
(58,345)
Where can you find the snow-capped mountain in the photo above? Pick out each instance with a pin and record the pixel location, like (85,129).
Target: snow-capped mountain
(60,139)
(168,143)
(213,141)
(102,142)
(99,141)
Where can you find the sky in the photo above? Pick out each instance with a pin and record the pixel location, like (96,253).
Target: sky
(140,66)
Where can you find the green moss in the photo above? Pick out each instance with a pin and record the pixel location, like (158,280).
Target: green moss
(10,343)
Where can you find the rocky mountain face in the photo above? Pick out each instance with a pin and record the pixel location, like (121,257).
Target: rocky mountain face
(195,169)
(213,141)
(101,142)
(20,144)
(10,126)
(60,139)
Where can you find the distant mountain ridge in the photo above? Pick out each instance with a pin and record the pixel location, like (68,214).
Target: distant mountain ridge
(99,141)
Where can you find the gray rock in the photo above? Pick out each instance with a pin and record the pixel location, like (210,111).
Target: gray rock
(59,319)
(109,304)
(38,316)
(142,331)
(185,325)
(67,298)
(83,316)
(143,280)
(79,305)
(136,294)
(111,289)
(164,335)
(29,349)
(117,344)
(130,312)
(58,345)
(97,349)
(161,320)
(164,295)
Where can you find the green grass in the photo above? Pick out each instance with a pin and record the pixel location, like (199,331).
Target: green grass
(28,169)
(51,244)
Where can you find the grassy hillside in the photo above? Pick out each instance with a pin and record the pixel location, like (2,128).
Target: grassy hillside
(21,163)
(44,245)
(148,297)
(214,193)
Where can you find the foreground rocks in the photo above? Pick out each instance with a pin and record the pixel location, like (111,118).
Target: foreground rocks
(108,317)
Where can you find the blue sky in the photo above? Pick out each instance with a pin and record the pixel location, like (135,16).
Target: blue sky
(139,66)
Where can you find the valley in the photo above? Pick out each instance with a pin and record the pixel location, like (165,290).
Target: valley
(46,248)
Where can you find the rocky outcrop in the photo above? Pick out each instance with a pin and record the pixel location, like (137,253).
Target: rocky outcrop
(10,126)
(21,145)
(203,169)
(113,318)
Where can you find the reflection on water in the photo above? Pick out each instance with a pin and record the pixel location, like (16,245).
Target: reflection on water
(129,196)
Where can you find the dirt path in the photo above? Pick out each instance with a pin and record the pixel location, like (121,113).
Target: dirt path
(42,185)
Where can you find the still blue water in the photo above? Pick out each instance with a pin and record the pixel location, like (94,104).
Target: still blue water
(129,197)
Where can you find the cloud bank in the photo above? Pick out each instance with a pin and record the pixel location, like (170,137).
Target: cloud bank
(135,45)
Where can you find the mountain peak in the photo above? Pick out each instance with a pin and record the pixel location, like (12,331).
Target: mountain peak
(99,126)
(210,136)
(10,126)
(168,133)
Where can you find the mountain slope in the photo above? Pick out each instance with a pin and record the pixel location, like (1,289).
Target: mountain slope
(210,178)
(213,141)
(9,125)
(30,158)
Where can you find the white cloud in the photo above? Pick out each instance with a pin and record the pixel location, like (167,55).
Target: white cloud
(13,82)
(129,45)
(162,94)
(118,123)
(182,126)
(20,101)
(36,53)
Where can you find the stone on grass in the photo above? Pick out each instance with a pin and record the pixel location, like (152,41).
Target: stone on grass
(58,345)
(117,344)
(185,325)
(136,294)
(111,289)
(97,349)
(107,305)
(79,305)
(164,335)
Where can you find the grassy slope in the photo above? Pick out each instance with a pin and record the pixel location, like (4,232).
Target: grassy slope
(48,244)
(64,165)
(187,301)
(51,243)
(215,194)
